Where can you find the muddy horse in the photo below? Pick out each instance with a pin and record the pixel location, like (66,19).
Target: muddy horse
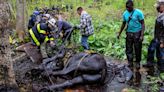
(84,68)
(80,68)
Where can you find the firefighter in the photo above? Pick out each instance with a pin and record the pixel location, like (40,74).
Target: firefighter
(41,34)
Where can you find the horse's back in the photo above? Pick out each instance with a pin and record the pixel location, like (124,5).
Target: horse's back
(85,61)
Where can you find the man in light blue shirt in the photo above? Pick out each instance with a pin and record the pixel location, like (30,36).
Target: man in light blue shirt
(134,20)
(134,24)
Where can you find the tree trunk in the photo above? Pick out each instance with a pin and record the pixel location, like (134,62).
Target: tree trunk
(20,18)
(50,5)
(5,50)
(84,1)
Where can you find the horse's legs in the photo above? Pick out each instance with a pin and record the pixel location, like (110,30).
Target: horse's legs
(77,80)
(64,71)
(91,78)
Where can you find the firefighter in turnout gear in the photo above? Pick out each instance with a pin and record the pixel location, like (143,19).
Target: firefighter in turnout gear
(41,34)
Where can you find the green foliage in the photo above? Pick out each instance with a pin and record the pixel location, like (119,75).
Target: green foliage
(153,82)
(106,16)
(104,40)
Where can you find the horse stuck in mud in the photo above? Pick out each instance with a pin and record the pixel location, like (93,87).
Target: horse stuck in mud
(68,69)
(80,69)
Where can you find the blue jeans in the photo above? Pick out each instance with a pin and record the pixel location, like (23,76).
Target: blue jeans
(155,47)
(84,42)
(161,61)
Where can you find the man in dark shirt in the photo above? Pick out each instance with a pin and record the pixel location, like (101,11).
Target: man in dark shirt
(64,28)
(157,44)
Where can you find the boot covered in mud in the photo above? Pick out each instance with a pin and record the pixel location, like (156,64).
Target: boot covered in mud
(137,75)
(130,66)
(161,65)
(150,68)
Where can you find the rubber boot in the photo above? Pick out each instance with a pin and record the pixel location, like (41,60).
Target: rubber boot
(130,65)
(161,65)
(137,75)
(150,68)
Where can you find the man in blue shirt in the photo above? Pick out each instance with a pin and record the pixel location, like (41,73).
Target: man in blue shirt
(134,20)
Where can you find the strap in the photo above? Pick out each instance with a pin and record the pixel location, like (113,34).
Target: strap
(130,17)
(82,58)
(39,30)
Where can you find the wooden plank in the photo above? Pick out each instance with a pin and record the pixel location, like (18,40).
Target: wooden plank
(34,54)
(21,47)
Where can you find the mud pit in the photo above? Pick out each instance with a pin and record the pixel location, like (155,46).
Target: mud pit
(29,83)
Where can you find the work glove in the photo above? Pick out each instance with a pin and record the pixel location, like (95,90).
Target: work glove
(52,44)
(61,34)
(76,27)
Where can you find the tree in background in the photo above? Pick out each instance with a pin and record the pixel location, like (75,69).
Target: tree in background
(20,19)
(5,50)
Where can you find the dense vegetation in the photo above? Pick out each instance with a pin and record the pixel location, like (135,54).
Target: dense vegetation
(107,20)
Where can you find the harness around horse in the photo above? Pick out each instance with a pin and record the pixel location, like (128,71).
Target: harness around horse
(80,63)
(103,72)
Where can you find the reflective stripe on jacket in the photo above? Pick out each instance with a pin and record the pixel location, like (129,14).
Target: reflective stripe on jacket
(39,34)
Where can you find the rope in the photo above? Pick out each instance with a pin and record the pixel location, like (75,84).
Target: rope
(48,74)
(80,63)
(113,75)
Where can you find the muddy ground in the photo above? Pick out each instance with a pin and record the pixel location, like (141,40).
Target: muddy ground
(28,83)
(33,83)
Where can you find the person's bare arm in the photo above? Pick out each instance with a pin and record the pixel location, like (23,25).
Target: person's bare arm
(122,28)
(142,30)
